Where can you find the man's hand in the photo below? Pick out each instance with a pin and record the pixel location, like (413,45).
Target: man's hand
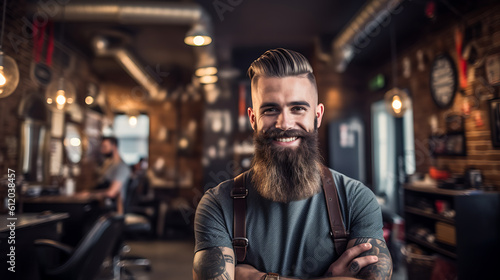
(350,262)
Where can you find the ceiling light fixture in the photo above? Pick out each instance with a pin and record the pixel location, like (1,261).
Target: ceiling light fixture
(198,36)
(60,94)
(396,100)
(209,79)
(9,72)
(61,90)
(204,71)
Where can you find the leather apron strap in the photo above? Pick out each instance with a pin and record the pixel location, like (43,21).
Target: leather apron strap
(338,232)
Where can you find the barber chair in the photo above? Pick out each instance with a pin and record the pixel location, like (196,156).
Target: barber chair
(59,261)
(136,224)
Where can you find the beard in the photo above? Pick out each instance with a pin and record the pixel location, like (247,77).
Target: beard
(284,174)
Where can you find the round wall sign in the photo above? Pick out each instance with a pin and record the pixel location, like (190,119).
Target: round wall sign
(443,80)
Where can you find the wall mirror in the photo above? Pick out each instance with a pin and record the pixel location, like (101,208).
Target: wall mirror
(73,143)
(34,137)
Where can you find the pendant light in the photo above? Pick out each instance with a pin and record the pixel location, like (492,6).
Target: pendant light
(198,36)
(396,100)
(9,72)
(60,93)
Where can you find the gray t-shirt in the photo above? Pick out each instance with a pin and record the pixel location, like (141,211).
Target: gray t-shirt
(291,239)
(118,171)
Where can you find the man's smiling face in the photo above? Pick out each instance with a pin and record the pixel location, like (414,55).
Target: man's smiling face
(286,104)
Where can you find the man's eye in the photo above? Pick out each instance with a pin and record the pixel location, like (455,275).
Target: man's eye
(298,109)
(270,111)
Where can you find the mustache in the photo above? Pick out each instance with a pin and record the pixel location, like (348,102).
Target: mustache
(279,133)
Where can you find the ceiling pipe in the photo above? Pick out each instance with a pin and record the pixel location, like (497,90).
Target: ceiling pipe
(127,12)
(131,64)
(357,34)
(134,13)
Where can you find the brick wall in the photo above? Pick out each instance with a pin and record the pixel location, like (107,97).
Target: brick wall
(440,39)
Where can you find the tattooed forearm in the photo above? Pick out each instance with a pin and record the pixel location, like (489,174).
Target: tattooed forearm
(210,264)
(229,259)
(380,270)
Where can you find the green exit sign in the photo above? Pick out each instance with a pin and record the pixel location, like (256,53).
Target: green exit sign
(377,82)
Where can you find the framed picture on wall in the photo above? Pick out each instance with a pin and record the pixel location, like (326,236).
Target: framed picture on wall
(450,144)
(495,122)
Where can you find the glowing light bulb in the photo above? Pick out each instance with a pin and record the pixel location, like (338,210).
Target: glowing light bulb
(198,40)
(89,100)
(49,101)
(60,99)
(2,79)
(75,142)
(396,104)
(183,143)
(132,120)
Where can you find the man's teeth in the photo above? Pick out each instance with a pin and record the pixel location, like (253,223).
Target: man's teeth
(289,139)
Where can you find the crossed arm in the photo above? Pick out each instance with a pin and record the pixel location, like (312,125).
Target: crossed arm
(360,260)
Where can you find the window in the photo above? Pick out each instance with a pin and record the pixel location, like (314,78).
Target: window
(133,137)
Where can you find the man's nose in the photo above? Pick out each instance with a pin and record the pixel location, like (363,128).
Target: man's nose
(284,121)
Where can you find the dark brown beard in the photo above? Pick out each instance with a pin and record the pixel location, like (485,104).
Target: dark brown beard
(284,174)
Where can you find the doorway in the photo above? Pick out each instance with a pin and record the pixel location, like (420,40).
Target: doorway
(393,155)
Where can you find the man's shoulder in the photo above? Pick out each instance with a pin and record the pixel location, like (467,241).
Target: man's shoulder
(349,185)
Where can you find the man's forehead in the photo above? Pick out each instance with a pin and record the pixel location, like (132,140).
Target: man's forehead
(297,87)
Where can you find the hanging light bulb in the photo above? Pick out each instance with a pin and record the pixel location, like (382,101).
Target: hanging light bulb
(132,121)
(60,94)
(198,36)
(397,101)
(89,100)
(9,75)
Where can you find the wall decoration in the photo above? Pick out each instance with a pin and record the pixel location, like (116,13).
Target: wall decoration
(454,123)
(406,67)
(478,118)
(443,80)
(495,122)
(450,144)
(493,69)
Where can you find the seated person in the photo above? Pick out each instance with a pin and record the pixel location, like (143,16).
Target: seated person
(114,175)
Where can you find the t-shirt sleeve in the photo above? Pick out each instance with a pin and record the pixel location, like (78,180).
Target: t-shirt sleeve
(122,174)
(366,216)
(210,227)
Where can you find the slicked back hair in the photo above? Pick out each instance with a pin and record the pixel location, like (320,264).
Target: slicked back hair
(280,63)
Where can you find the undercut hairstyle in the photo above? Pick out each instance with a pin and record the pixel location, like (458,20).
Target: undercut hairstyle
(280,63)
(113,140)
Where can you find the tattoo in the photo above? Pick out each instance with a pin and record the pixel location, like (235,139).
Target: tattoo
(381,269)
(354,267)
(229,259)
(210,264)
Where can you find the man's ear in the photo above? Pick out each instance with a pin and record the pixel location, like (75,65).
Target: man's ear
(251,117)
(320,110)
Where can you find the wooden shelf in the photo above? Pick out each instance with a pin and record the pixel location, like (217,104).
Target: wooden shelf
(435,190)
(432,247)
(419,212)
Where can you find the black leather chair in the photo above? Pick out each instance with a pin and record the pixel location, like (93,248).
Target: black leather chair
(84,261)
(136,224)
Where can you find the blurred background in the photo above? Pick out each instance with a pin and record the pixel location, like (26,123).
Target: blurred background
(410,89)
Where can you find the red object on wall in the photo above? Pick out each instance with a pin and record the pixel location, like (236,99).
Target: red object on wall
(430,9)
(462,64)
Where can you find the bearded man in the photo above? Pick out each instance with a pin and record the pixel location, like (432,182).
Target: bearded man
(287,222)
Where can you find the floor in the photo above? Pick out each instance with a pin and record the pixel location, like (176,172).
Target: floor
(172,260)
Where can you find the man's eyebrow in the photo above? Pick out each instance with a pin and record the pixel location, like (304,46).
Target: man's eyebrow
(269,104)
(301,103)
(294,103)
